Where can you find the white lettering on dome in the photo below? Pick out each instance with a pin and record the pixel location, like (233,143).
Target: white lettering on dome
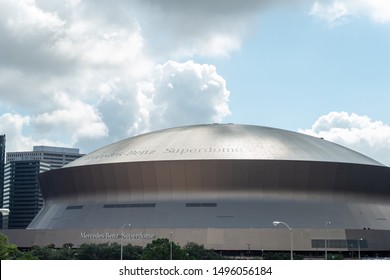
(182,151)
(172,151)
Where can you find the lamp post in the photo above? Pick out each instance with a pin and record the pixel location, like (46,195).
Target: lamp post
(351,245)
(170,245)
(326,239)
(249,248)
(358,241)
(122,239)
(276,223)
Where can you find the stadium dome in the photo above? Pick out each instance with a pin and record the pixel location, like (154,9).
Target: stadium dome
(219,142)
(221,176)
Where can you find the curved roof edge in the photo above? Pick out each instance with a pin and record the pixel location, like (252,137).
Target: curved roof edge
(223,141)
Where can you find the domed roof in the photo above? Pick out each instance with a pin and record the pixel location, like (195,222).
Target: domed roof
(222,141)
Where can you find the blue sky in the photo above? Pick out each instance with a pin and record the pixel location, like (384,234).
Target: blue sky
(87,73)
(296,68)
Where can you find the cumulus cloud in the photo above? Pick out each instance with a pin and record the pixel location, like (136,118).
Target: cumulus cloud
(185,93)
(86,73)
(16,127)
(357,132)
(334,13)
(338,11)
(70,115)
(26,31)
(208,28)
(176,94)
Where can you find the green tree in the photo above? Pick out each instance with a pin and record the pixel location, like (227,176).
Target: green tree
(104,251)
(159,249)
(28,256)
(281,256)
(335,256)
(276,256)
(66,252)
(131,252)
(8,251)
(195,251)
(44,253)
(87,252)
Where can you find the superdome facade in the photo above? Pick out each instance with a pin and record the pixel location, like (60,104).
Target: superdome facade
(223,185)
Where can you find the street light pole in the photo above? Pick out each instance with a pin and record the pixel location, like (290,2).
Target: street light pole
(359,239)
(275,223)
(170,246)
(249,248)
(326,239)
(124,225)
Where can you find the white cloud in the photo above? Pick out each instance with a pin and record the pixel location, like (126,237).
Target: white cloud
(207,28)
(25,32)
(184,93)
(81,119)
(176,94)
(333,13)
(359,133)
(216,45)
(86,73)
(27,19)
(337,11)
(14,125)
(379,10)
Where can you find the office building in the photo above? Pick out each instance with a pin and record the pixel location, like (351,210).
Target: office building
(2,163)
(56,156)
(21,192)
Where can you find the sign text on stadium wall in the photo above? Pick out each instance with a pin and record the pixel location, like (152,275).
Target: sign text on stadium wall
(114,236)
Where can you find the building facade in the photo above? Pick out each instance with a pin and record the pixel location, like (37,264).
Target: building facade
(56,156)
(2,159)
(21,192)
(2,163)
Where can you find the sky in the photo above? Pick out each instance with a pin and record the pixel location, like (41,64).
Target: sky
(86,73)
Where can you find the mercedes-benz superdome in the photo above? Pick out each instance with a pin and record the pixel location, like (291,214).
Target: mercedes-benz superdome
(223,185)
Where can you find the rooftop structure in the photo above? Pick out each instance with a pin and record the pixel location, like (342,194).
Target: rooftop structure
(55,156)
